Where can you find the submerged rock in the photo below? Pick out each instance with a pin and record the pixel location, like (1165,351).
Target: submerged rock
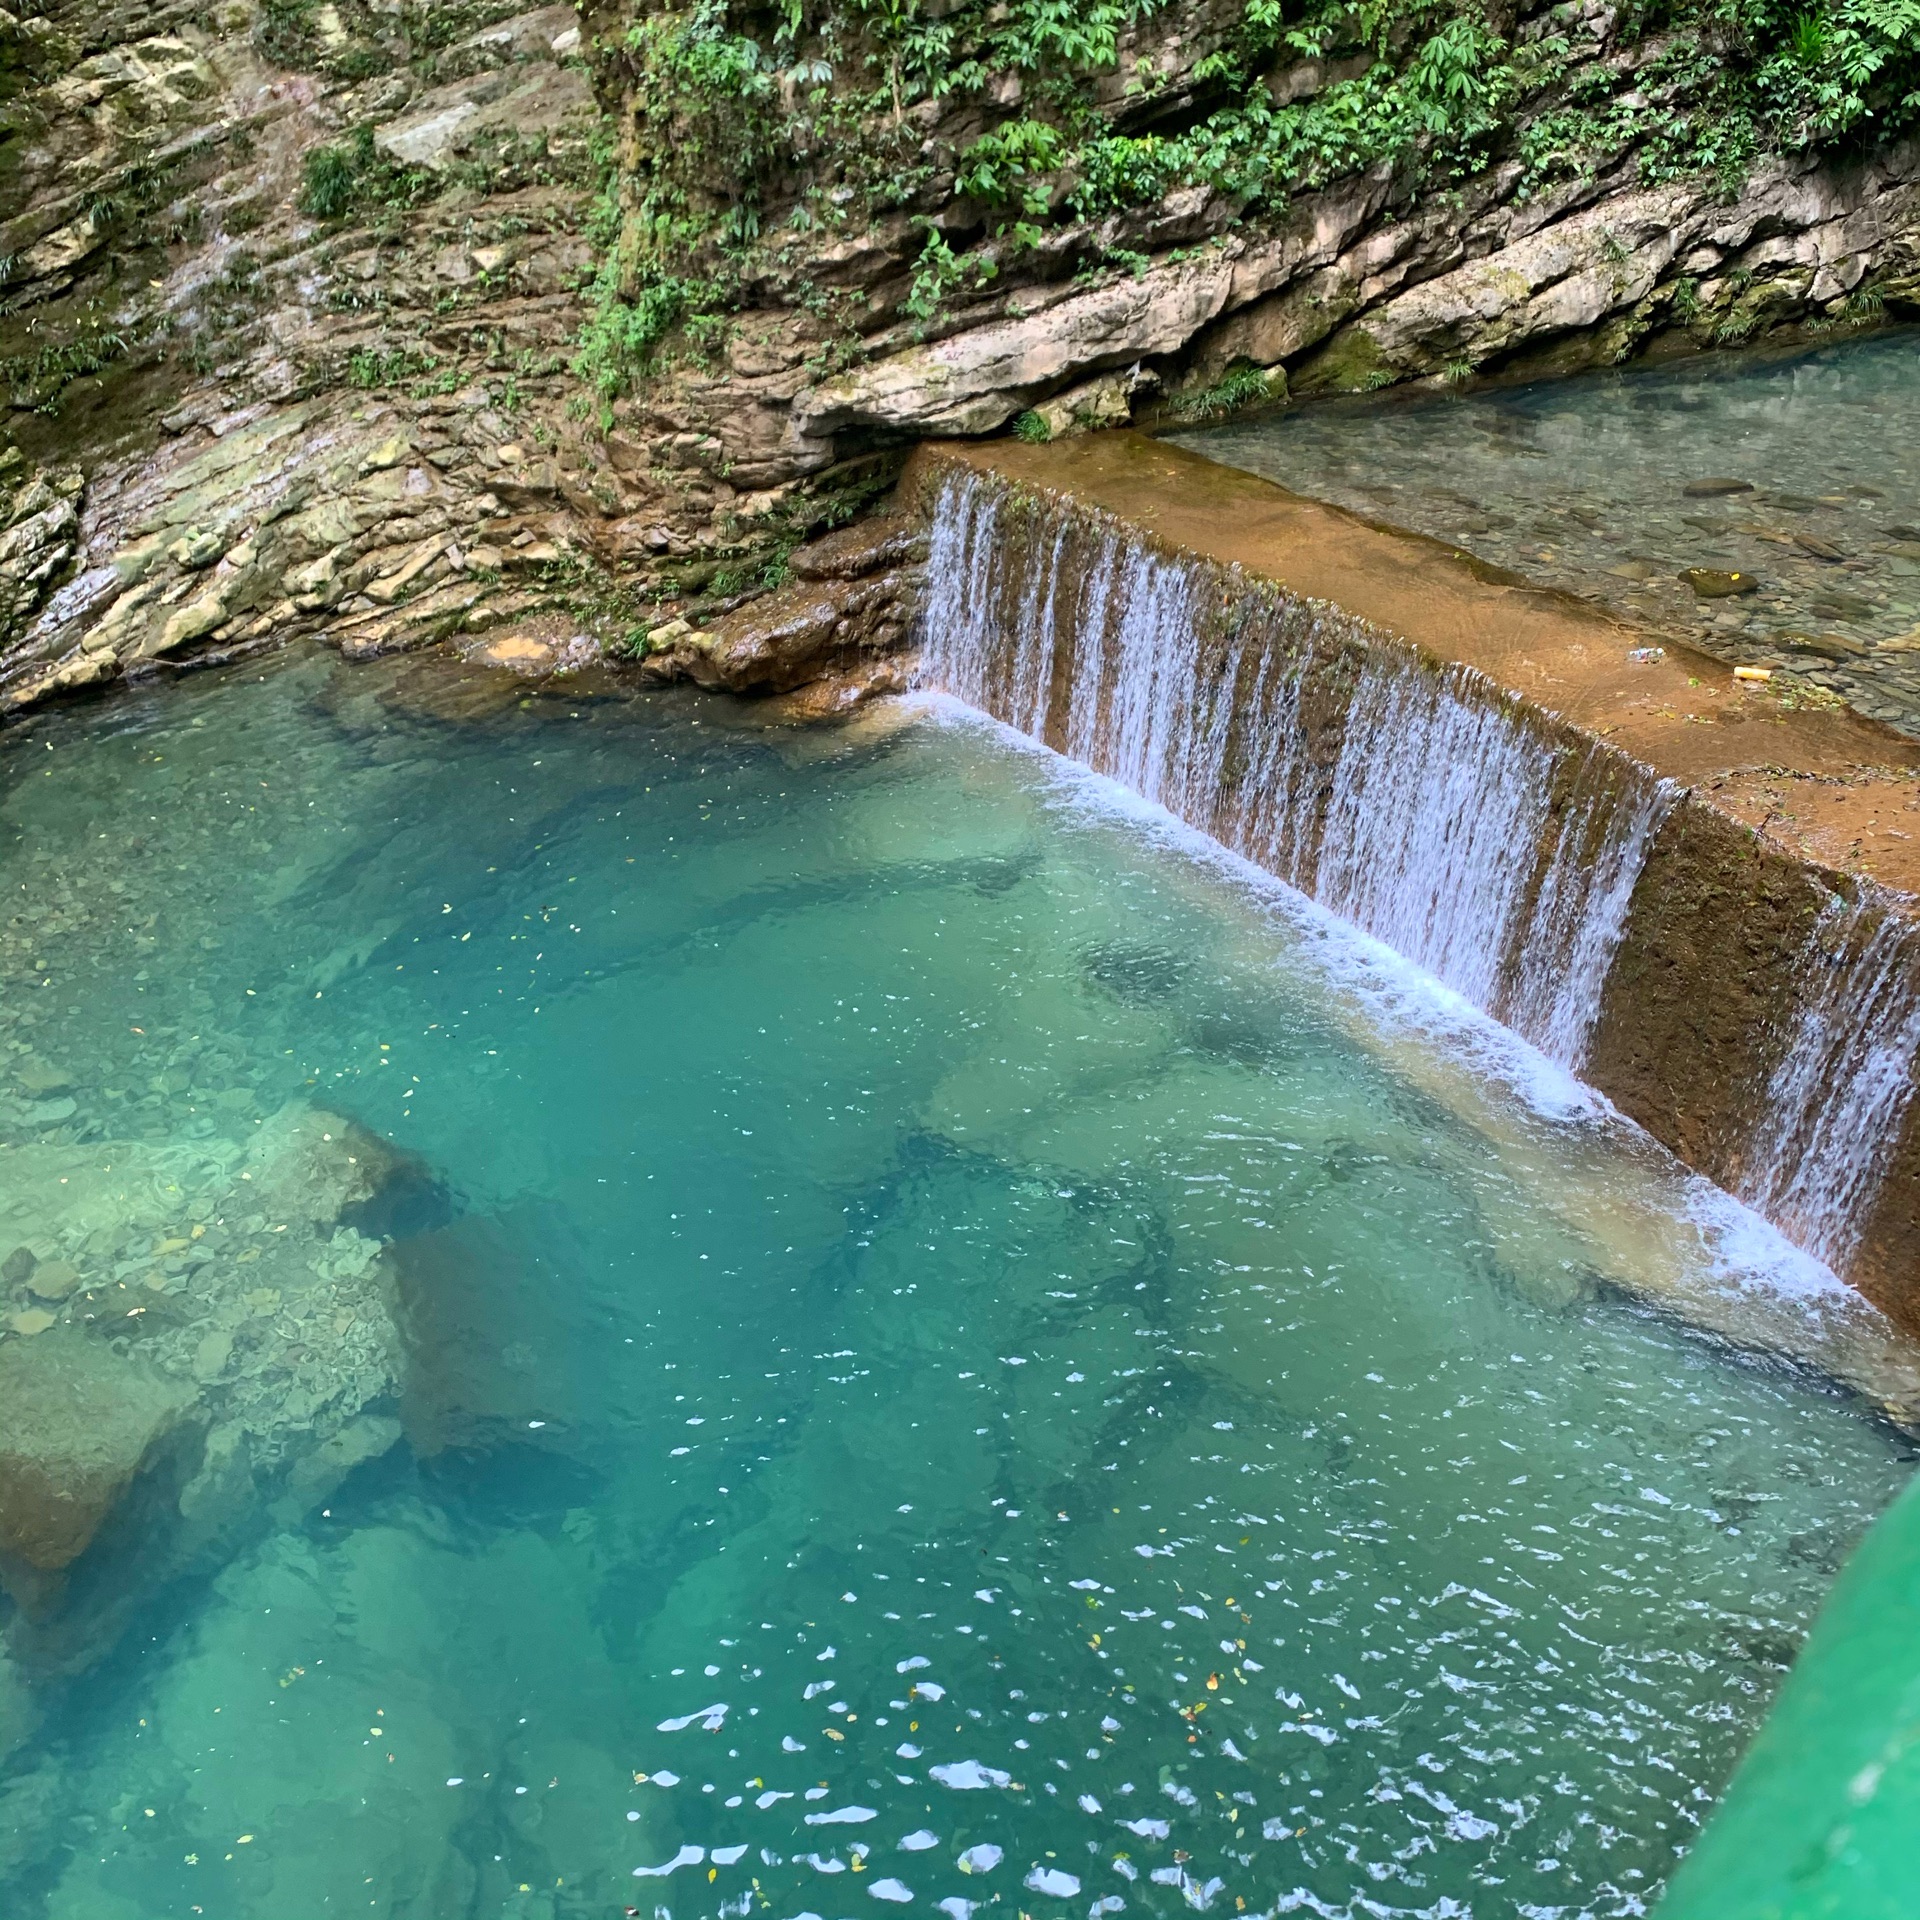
(490,1342)
(1820,549)
(203,1333)
(1828,646)
(77,1423)
(53,1280)
(1713,583)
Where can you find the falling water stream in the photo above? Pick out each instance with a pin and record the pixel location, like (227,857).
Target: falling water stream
(1485,844)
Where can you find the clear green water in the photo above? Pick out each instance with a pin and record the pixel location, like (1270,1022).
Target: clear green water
(952,1238)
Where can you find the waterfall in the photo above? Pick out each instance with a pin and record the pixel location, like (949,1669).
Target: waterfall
(1431,835)
(1837,1098)
(1580,914)
(1479,838)
(1415,802)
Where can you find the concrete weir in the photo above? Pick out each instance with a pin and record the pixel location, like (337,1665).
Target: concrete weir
(1697,893)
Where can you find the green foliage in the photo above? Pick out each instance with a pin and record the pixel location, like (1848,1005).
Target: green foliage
(1008,168)
(356,177)
(756,123)
(39,379)
(1030,427)
(327,182)
(939,272)
(624,334)
(1240,386)
(372,368)
(1734,78)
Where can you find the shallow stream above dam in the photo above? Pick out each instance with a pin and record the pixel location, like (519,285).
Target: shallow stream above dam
(733,1320)
(1798,469)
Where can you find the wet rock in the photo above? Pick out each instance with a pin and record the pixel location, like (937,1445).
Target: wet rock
(1711,583)
(1820,549)
(38,1077)
(77,1424)
(39,539)
(841,694)
(29,1321)
(808,631)
(1829,646)
(1712,489)
(196,548)
(17,1268)
(867,547)
(53,1280)
(454,119)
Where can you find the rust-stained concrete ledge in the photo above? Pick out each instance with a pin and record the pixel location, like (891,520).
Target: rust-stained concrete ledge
(1825,785)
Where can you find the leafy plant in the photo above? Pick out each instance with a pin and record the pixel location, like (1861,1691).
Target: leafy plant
(327,181)
(1240,386)
(940,271)
(354,176)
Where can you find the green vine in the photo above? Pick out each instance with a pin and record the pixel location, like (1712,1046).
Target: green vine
(761,130)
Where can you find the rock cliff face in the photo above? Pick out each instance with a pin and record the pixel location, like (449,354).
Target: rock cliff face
(292,294)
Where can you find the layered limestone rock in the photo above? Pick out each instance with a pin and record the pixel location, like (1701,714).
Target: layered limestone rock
(850,605)
(293,296)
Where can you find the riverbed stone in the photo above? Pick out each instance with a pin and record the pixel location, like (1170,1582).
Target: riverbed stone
(517,653)
(77,1424)
(1819,548)
(1715,583)
(1829,646)
(39,1077)
(53,1280)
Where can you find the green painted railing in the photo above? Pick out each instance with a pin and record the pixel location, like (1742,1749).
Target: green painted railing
(1822,1821)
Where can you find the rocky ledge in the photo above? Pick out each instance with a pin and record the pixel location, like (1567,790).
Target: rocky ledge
(839,627)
